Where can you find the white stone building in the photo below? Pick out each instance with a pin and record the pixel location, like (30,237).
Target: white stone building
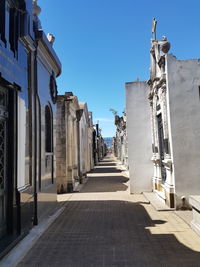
(139,137)
(174,99)
(174,93)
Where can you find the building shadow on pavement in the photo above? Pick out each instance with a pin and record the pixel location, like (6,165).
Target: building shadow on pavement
(107,164)
(109,233)
(105,178)
(105,184)
(107,159)
(106,170)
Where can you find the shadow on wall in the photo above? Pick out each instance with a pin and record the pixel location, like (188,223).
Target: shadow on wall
(109,233)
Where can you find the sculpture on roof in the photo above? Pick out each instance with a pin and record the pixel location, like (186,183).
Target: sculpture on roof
(154,23)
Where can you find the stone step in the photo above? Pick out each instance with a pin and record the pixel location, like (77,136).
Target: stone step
(157,202)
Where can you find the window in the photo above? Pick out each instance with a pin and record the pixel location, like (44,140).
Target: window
(9,23)
(48,129)
(24,19)
(13,29)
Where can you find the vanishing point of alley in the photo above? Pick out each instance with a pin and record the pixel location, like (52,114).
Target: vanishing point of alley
(103,225)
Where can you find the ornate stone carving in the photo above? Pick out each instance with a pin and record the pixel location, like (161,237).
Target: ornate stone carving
(161,61)
(155,159)
(168,161)
(51,38)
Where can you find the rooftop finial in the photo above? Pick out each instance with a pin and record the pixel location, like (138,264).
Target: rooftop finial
(51,38)
(154,22)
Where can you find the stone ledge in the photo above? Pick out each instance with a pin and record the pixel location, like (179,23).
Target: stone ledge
(185,215)
(156,202)
(79,186)
(195,227)
(195,203)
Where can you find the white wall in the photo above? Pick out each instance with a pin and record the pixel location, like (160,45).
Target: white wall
(139,137)
(183,81)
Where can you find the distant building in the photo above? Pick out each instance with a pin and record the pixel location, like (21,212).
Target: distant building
(98,145)
(86,136)
(108,141)
(120,141)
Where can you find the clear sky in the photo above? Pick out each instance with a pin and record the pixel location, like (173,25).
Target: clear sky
(104,43)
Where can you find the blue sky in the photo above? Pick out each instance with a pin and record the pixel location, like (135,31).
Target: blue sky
(104,43)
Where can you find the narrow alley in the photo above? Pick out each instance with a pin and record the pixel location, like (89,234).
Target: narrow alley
(103,225)
(99,134)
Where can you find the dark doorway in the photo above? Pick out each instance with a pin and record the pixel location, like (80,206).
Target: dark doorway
(9,216)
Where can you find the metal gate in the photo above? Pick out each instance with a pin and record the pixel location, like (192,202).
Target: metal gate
(3,158)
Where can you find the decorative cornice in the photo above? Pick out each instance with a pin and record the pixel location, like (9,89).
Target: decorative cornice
(48,49)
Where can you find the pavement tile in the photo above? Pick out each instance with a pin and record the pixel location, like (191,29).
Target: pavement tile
(103,225)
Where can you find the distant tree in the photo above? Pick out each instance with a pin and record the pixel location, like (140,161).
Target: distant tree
(114,112)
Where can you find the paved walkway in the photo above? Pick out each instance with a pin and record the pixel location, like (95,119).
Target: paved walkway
(103,225)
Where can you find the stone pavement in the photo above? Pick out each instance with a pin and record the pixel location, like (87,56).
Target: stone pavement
(103,225)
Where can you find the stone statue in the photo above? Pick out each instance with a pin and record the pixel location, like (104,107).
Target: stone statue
(154,22)
(36,12)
